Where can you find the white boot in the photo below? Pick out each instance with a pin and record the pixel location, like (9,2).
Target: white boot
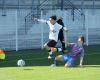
(53,65)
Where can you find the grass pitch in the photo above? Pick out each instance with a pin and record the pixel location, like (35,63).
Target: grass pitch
(37,66)
(50,73)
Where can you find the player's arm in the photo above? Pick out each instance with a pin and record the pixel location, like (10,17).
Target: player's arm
(65,29)
(81,58)
(69,44)
(40,20)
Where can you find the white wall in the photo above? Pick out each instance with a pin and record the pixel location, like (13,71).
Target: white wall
(32,39)
(13,18)
(92,18)
(8,22)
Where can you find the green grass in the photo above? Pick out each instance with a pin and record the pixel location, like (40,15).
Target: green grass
(37,66)
(50,73)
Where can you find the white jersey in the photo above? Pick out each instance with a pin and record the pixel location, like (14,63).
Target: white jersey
(54,30)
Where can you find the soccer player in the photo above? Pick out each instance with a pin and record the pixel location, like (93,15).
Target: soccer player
(61,34)
(53,33)
(70,57)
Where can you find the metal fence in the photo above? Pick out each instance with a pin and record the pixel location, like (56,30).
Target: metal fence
(19,31)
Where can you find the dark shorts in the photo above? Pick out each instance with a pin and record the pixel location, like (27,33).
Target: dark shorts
(61,35)
(51,43)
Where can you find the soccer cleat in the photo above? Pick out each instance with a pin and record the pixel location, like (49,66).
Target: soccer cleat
(53,65)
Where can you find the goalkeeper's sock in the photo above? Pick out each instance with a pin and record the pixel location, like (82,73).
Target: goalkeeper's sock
(55,62)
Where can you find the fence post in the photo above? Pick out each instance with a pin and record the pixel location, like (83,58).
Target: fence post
(87,30)
(16,37)
(41,30)
(65,24)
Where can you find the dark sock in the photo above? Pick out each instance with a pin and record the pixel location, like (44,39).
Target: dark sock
(63,46)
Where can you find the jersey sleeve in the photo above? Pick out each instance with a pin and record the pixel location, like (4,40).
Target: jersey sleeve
(42,20)
(60,26)
(71,44)
(48,22)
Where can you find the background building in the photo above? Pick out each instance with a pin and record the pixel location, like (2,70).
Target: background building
(18,30)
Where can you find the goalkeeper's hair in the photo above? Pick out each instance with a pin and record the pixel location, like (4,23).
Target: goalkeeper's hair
(82,38)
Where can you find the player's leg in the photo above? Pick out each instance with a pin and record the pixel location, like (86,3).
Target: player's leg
(63,58)
(57,58)
(46,45)
(50,44)
(61,38)
(63,43)
(70,62)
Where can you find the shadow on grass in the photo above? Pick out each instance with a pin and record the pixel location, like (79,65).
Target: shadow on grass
(28,69)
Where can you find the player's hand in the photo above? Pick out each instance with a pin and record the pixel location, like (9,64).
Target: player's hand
(65,29)
(35,19)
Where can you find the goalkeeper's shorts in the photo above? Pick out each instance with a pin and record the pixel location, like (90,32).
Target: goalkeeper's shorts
(67,58)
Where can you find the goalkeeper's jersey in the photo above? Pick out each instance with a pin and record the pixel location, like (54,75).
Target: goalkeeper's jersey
(75,50)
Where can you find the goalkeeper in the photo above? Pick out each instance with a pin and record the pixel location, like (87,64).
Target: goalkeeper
(70,57)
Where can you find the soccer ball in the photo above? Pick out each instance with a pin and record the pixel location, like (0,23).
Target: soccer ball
(21,63)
